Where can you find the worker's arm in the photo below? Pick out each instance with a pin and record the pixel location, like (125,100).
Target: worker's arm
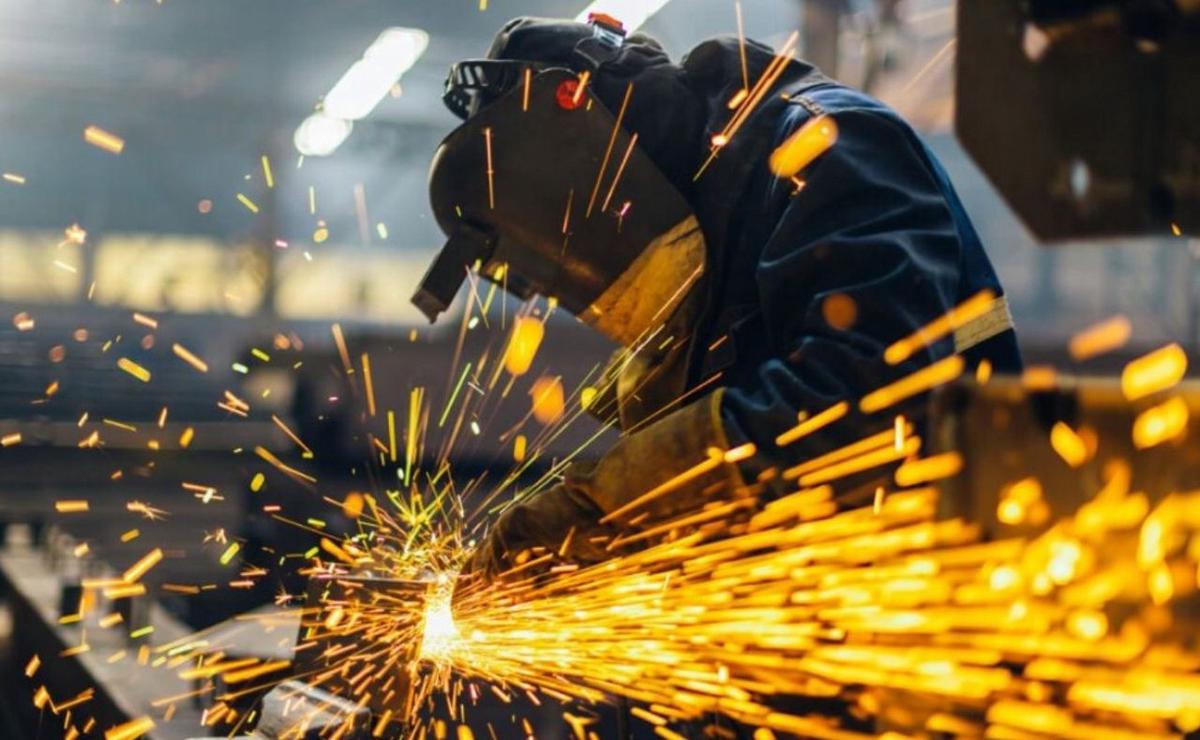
(870,224)
(653,474)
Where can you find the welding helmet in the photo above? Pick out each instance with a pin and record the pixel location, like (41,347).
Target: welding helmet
(546,189)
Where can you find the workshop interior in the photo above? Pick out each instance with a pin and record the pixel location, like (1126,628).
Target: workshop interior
(489,369)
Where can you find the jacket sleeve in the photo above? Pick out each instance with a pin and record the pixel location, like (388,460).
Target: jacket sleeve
(871,225)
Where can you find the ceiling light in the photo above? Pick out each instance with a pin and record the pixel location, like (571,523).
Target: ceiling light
(369,79)
(320,134)
(631,13)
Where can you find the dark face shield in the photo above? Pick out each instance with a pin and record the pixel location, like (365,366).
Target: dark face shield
(543,183)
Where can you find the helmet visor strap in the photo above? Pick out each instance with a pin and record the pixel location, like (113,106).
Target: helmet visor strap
(474,83)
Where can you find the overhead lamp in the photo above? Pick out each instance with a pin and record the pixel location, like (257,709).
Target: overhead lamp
(632,13)
(320,134)
(369,79)
(360,89)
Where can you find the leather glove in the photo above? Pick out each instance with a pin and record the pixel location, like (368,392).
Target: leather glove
(544,520)
(645,478)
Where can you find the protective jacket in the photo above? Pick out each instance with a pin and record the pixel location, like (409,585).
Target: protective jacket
(807,282)
(876,220)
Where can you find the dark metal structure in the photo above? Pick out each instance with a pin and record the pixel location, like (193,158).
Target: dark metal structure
(1085,115)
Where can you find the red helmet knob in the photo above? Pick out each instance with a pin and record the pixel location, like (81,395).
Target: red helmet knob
(568,95)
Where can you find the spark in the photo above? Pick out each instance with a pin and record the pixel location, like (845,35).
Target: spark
(266,169)
(584,78)
(1069,445)
(916,472)
(24,322)
(249,204)
(149,512)
(287,470)
(291,435)
(145,320)
(942,371)
(119,425)
(487,137)
(134,369)
(983,372)
(804,146)
(1039,378)
(809,425)
(526,337)
(774,69)
(181,588)
(931,64)
(612,140)
(339,339)
(612,188)
(391,420)
(368,384)
(547,399)
(1153,372)
(1161,423)
(454,394)
(229,553)
(102,139)
(135,572)
(416,400)
(1099,338)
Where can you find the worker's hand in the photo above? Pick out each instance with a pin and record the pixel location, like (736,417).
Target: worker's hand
(544,520)
(650,476)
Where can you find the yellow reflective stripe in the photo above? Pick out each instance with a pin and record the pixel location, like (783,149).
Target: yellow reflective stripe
(983,327)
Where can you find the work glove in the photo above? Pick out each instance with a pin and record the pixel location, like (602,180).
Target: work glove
(561,520)
(648,477)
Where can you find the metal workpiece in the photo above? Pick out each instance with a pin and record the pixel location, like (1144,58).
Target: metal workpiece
(1003,431)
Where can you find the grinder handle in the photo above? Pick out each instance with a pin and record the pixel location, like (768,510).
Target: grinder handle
(445,276)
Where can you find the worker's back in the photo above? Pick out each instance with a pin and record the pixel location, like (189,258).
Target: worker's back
(810,278)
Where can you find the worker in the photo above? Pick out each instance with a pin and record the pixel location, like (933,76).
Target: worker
(744,300)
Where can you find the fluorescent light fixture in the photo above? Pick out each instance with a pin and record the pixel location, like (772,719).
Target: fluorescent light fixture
(320,134)
(364,85)
(632,13)
(369,79)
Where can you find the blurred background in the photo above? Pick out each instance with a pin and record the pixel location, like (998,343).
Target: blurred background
(239,223)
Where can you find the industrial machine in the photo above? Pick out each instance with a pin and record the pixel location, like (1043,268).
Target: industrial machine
(1085,114)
